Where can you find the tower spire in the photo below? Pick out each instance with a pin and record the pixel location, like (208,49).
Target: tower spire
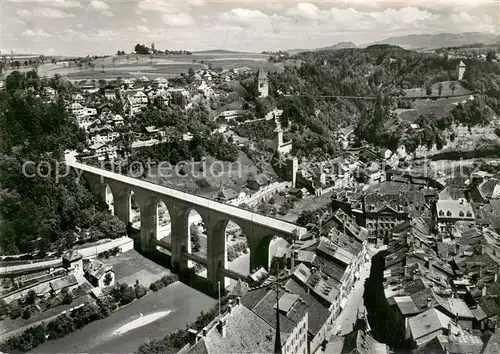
(277,340)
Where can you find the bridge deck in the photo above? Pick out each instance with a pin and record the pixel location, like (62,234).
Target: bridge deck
(268,222)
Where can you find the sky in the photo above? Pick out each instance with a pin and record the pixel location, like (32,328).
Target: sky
(65,27)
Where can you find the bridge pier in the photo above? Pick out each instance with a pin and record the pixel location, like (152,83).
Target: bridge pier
(149,223)
(216,253)
(121,201)
(97,186)
(258,242)
(179,223)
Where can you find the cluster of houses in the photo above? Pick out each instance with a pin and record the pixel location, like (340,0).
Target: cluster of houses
(443,234)
(315,281)
(75,275)
(92,106)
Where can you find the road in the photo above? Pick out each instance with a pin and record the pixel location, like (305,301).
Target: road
(102,337)
(348,316)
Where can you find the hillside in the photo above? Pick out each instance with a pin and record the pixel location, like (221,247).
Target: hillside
(339,45)
(432,41)
(389,75)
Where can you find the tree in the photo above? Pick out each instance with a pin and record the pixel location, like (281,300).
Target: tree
(67,298)
(490,56)
(26,313)
(428,90)
(453,87)
(30,297)
(108,278)
(191,72)
(307,217)
(440,89)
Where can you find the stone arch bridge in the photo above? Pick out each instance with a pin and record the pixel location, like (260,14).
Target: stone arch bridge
(258,229)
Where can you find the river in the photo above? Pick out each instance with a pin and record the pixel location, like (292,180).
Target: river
(153,316)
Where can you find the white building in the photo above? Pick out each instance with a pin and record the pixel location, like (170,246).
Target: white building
(460,70)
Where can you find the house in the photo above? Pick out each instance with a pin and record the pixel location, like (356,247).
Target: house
(104,151)
(89,88)
(238,331)
(357,342)
(448,212)
(103,136)
(151,130)
(371,174)
(230,196)
(346,136)
(255,182)
(161,82)
(110,94)
(78,98)
(382,213)
(428,325)
(482,192)
(99,274)
(118,120)
(72,261)
(67,282)
(293,316)
(231,115)
(138,98)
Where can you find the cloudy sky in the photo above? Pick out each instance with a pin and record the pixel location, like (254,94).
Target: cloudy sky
(104,26)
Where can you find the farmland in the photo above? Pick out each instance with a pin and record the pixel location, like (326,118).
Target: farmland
(152,66)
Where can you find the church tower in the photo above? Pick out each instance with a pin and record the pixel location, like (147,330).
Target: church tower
(262,83)
(460,70)
(278,137)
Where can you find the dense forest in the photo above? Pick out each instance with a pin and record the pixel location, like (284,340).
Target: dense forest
(39,212)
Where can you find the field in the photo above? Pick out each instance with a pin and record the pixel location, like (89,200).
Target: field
(417,92)
(157,65)
(439,107)
(131,266)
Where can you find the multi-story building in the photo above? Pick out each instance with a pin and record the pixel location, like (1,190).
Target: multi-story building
(448,212)
(293,315)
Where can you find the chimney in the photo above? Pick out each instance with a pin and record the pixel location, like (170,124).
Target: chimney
(238,300)
(222,328)
(229,308)
(429,302)
(406,270)
(449,331)
(192,335)
(483,291)
(204,331)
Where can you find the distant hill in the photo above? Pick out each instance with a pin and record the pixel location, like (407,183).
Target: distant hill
(433,41)
(340,45)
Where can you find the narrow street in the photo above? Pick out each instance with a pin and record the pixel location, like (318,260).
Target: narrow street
(344,323)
